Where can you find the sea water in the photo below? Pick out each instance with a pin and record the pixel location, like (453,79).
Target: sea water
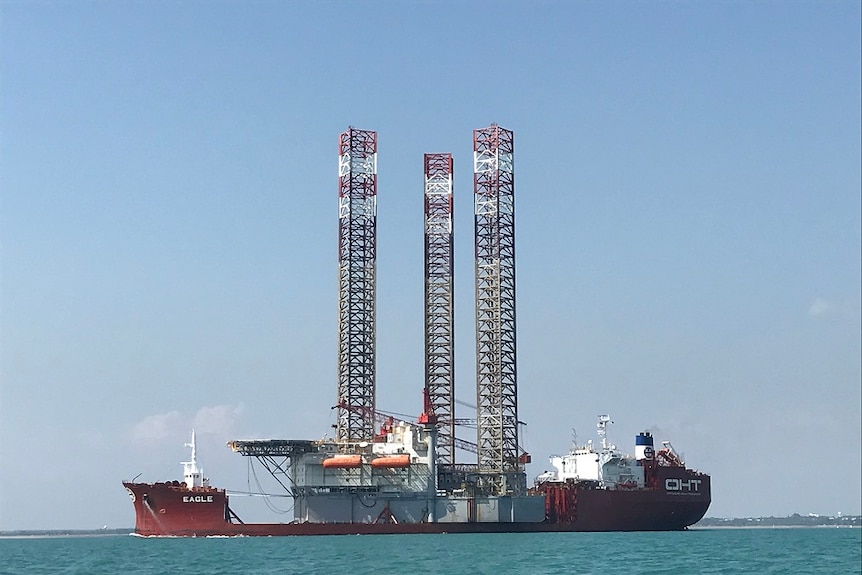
(709,551)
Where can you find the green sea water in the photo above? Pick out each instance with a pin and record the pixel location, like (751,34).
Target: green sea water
(708,551)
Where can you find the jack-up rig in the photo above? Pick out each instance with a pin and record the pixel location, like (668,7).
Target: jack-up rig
(368,443)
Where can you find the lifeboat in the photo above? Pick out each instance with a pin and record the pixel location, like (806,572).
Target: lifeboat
(343,462)
(392,461)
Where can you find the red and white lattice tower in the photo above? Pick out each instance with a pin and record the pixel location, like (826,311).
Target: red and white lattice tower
(496,373)
(439,301)
(357,261)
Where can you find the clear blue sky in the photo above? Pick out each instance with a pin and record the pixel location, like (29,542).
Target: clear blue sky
(688,189)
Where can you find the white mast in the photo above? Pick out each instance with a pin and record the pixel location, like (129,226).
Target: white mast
(602,427)
(192,476)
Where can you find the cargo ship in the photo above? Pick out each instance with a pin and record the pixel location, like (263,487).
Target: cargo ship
(393,485)
(383,474)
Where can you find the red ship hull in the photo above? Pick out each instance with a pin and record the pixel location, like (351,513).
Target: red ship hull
(172,509)
(678,498)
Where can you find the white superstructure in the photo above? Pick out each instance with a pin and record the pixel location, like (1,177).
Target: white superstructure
(609,467)
(192,476)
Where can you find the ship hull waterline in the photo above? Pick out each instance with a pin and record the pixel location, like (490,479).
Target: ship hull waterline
(166,510)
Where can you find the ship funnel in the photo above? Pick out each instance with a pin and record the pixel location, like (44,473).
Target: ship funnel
(644,446)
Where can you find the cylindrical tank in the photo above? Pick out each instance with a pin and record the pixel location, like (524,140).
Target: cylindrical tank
(644,446)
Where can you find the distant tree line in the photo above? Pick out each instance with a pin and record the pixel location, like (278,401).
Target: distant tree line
(66,532)
(795,520)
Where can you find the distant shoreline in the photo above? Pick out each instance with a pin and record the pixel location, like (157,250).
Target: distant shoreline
(794,520)
(699,527)
(44,533)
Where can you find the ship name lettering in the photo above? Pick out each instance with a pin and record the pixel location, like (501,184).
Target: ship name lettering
(672,484)
(197,498)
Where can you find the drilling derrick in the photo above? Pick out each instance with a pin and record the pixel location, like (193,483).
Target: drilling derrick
(496,374)
(357,257)
(439,301)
